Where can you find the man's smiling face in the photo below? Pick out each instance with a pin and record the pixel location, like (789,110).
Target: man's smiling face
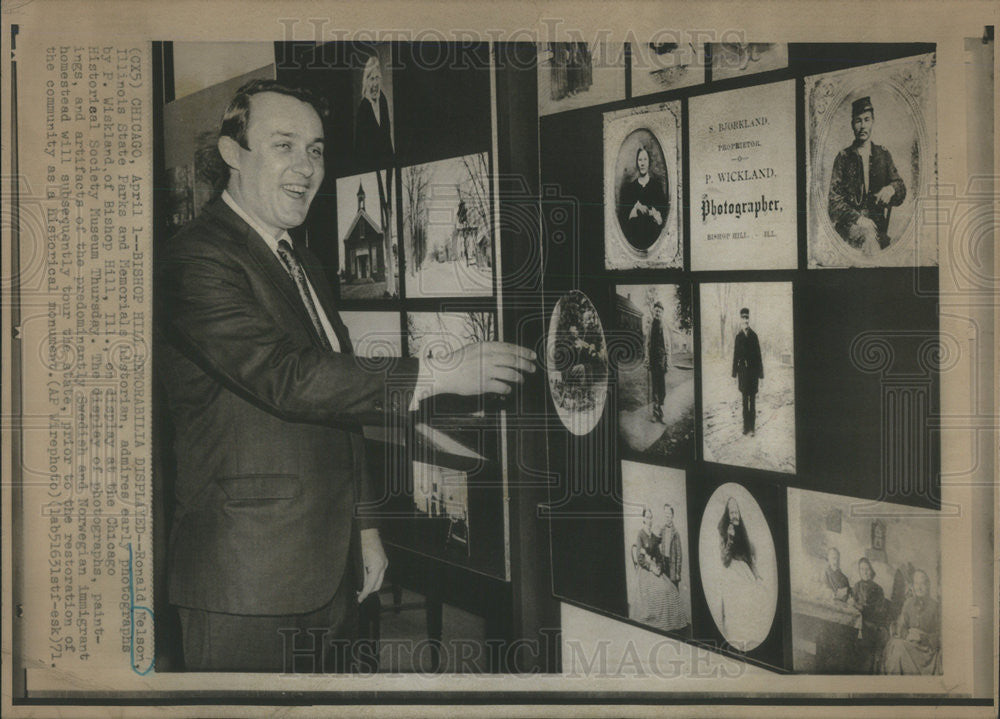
(276,180)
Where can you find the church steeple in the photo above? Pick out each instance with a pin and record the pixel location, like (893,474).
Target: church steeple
(361,198)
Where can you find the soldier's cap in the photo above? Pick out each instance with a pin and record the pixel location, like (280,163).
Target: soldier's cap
(745,312)
(862,104)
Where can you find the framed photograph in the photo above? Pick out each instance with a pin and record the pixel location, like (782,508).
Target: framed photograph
(576,358)
(369,253)
(448,228)
(663,66)
(866,599)
(657,554)
(748,375)
(744,209)
(655,370)
(579,74)
(736,59)
(642,187)
(738,565)
(871,139)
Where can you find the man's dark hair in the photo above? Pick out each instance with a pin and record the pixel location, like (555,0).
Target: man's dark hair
(236,119)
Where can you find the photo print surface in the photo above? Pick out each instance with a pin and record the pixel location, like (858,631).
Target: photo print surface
(576,357)
(656,373)
(441,498)
(866,586)
(431,334)
(448,228)
(657,555)
(369,252)
(735,59)
(748,375)
(871,139)
(642,187)
(738,566)
(664,65)
(374,334)
(371,89)
(579,74)
(743,179)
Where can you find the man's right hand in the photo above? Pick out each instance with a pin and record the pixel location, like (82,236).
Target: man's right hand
(476,369)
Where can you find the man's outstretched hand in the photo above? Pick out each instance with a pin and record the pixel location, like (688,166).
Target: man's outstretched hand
(476,369)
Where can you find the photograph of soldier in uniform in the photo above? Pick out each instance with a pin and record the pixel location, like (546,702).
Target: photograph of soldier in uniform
(748,379)
(864,186)
(579,74)
(871,157)
(657,554)
(866,585)
(739,567)
(656,369)
(577,361)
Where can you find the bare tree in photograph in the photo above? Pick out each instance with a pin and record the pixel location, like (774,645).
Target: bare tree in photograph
(479,327)
(416,190)
(474,205)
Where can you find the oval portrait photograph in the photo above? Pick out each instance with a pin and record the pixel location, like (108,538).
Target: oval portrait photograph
(577,360)
(641,186)
(739,569)
(871,151)
(642,192)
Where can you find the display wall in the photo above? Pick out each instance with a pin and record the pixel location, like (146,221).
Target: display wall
(752,318)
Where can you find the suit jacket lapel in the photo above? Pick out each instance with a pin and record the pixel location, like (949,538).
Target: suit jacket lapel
(270,266)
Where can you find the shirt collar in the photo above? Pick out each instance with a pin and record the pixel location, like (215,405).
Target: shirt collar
(268,238)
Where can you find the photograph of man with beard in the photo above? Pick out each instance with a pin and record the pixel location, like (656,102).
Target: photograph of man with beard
(739,570)
(372,123)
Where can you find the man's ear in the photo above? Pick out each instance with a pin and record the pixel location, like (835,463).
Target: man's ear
(230,151)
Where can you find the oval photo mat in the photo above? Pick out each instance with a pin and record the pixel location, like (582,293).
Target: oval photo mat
(576,362)
(762,500)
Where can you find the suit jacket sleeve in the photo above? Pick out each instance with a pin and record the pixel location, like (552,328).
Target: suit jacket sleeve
(213,313)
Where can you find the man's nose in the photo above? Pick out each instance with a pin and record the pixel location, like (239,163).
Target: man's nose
(303,164)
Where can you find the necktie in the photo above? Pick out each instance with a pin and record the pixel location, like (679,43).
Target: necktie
(294,268)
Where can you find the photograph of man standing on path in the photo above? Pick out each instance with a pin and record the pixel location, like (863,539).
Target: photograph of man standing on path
(656,370)
(746,336)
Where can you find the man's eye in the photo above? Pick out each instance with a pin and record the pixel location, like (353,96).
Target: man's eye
(283,146)
(317,152)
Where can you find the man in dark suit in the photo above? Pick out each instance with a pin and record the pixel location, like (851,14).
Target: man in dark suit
(864,186)
(266,402)
(659,361)
(748,369)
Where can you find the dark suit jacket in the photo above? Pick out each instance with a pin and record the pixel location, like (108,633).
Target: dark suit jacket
(747,363)
(266,421)
(848,200)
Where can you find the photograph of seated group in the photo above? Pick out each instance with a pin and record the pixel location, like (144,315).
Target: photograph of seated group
(385,408)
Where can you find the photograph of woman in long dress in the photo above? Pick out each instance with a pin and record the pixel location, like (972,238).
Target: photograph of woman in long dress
(739,570)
